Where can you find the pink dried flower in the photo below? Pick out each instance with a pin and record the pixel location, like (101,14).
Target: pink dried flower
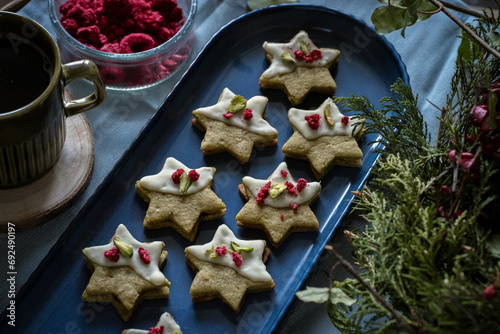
(490,292)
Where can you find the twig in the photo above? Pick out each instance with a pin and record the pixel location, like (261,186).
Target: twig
(461,9)
(402,322)
(478,39)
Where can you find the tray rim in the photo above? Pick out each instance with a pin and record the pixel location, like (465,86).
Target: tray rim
(20,295)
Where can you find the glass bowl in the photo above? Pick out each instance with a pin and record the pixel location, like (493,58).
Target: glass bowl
(130,71)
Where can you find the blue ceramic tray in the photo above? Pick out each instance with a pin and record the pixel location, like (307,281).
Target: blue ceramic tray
(51,300)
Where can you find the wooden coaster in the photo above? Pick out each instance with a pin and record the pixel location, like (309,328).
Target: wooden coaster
(42,200)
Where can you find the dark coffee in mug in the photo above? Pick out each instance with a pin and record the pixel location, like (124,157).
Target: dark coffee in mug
(25,72)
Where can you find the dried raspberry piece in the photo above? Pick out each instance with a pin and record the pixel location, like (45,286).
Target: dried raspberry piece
(264,191)
(299,54)
(301,184)
(154,330)
(65,7)
(113,254)
(83,17)
(164,6)
(313,121)
(174,16)
(116,8)
(227,115)
(221,250)
(247,114)
(176,176)
(137,42)
(170,64)
(282,217)
(295,207)
(70,25)
(111,74)
(315,54)
(284,173)
(89,35)
(143,254)
(290,188)
(193,175)
(345,120)
(259,199)
(238,261)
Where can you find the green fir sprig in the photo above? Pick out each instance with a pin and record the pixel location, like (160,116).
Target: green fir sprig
(429,259)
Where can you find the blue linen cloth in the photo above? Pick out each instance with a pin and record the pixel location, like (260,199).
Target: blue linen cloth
(429,51)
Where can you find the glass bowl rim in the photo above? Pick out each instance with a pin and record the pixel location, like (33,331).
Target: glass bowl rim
(121,57)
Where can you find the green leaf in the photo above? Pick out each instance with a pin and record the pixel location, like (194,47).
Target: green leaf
(387,19)
(400,14)
(337,296)
(314,295)
(494,38)
(256,4)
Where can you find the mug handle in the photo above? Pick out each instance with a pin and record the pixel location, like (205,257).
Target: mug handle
(83,69)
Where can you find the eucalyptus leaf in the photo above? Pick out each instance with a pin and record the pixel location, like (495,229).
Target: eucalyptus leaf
(256,4)
(337,296)
(314,295)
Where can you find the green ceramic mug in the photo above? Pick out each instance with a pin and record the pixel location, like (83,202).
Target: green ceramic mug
(33,108)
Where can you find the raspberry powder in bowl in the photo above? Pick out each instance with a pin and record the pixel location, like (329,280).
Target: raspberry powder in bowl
(135,43)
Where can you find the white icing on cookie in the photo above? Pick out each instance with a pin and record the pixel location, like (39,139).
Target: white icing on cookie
(252,267)
(149,272)
(296,118)
(166,320)
(256,124)
(162,182)
(280,66)
(284,199)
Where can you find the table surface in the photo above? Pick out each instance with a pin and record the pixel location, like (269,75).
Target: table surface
(429,58)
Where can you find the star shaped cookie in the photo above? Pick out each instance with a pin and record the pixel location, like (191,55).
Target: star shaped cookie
(125,272)
(180,198)
(228,268)
(299,67)
(278,205)
(166,325)
(235,125)
(324,137)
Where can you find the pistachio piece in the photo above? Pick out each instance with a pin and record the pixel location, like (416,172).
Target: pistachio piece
(287,56)
(213,255)
(185,183)
(210,249)
(237,103)
(237,248)
(328,115)
(304,48)
(124,248)
(277,189)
